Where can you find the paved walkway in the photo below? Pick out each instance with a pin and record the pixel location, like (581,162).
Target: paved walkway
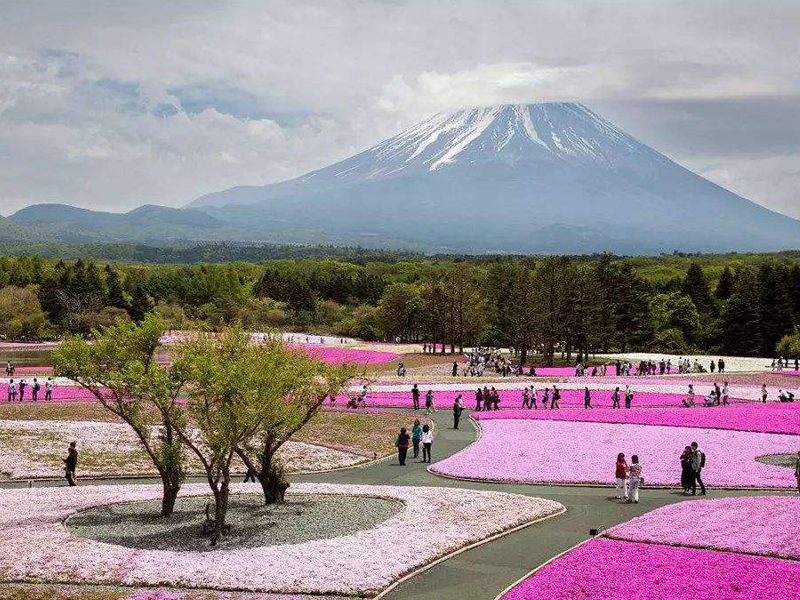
(483,572)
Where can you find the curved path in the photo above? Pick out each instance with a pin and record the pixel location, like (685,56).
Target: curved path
(483,572)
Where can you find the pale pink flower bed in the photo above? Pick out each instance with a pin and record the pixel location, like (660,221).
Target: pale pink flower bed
(604,569)
(513,398)
(343,355)
(765,418)
(538,451)
(35,545)
(766,525)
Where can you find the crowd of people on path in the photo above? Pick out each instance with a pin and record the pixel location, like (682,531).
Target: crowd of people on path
(16,390)
(781,363)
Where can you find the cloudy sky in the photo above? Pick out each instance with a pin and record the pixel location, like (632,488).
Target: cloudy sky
(111,105)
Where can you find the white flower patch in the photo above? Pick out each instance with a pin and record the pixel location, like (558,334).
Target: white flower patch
(33,449)
(35,545)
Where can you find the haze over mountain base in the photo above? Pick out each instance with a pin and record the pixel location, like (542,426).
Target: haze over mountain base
(537,178)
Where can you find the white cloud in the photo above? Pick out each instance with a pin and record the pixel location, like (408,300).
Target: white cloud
(115,104)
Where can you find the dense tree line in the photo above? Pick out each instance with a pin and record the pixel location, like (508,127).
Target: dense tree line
(550,305)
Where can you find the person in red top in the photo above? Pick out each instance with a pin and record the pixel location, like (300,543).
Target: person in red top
(622,477)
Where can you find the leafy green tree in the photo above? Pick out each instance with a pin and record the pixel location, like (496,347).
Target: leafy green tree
(245,399)
(790,344)
(120,370)
(21,315)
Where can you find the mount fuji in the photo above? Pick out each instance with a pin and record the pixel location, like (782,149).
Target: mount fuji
(552,178)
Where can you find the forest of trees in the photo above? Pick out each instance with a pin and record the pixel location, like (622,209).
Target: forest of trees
(546,305)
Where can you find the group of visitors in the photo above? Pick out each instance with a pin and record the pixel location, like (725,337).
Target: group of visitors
(780,363)
(430,407)
(22,386)
(420,436)
(686,366)
(487,399)
(716,397)
(693,460)
(629,478)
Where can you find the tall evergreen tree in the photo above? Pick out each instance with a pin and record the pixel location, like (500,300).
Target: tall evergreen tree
(725,284)
(695,286)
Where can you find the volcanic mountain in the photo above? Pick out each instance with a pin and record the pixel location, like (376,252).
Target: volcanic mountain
(513,178)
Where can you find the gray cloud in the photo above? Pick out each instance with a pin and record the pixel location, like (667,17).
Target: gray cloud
(115,104)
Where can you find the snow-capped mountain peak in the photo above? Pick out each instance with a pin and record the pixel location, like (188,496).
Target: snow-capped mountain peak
(505,133)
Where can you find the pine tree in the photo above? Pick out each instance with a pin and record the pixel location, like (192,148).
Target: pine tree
(140,304)
(696,287)
(724,285)
(114,295)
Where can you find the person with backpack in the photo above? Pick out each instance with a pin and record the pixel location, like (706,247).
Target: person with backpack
(35,390)
(429,407)
(22,385)
(698,463)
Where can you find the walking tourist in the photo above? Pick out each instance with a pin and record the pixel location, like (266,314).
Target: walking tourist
(725,394)
(48,389)
(12,391)
(71,463)
(621,475)
(635,479)
(402,446)
(35,390)
(427,443)
(22,385)
(687,471)
(587,398)
(478,400)
(455,369)
(429,407)
(556,398)
(415,396)
(615,398)
(628,398)
(416,436)
(458,408)
(764,393)
(495,399)
(698,462)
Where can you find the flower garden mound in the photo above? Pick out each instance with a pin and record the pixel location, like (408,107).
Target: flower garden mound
(302,518)
(342,355)
(769,418)
(33,449)
(765,525)
(534,451)
(35,545)
(604,569)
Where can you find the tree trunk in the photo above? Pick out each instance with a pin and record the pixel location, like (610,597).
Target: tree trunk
(169,497)
(272,479)
(220,509)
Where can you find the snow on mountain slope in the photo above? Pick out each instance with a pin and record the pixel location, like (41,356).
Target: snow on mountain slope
(533,177)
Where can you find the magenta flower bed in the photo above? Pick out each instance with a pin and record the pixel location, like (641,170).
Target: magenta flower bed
(61,393)
(341,356)
(605,569)
(765,525)
(765,418)
(533,451)
(513,398)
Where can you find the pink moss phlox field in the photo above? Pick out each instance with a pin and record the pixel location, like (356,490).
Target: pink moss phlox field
(513,398)
(766,525)
(339,356)
(765,418)
(573,452)
(434,522)
(61,393)
(605,569)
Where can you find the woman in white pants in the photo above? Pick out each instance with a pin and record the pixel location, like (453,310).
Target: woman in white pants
(635,478)
(621,475)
